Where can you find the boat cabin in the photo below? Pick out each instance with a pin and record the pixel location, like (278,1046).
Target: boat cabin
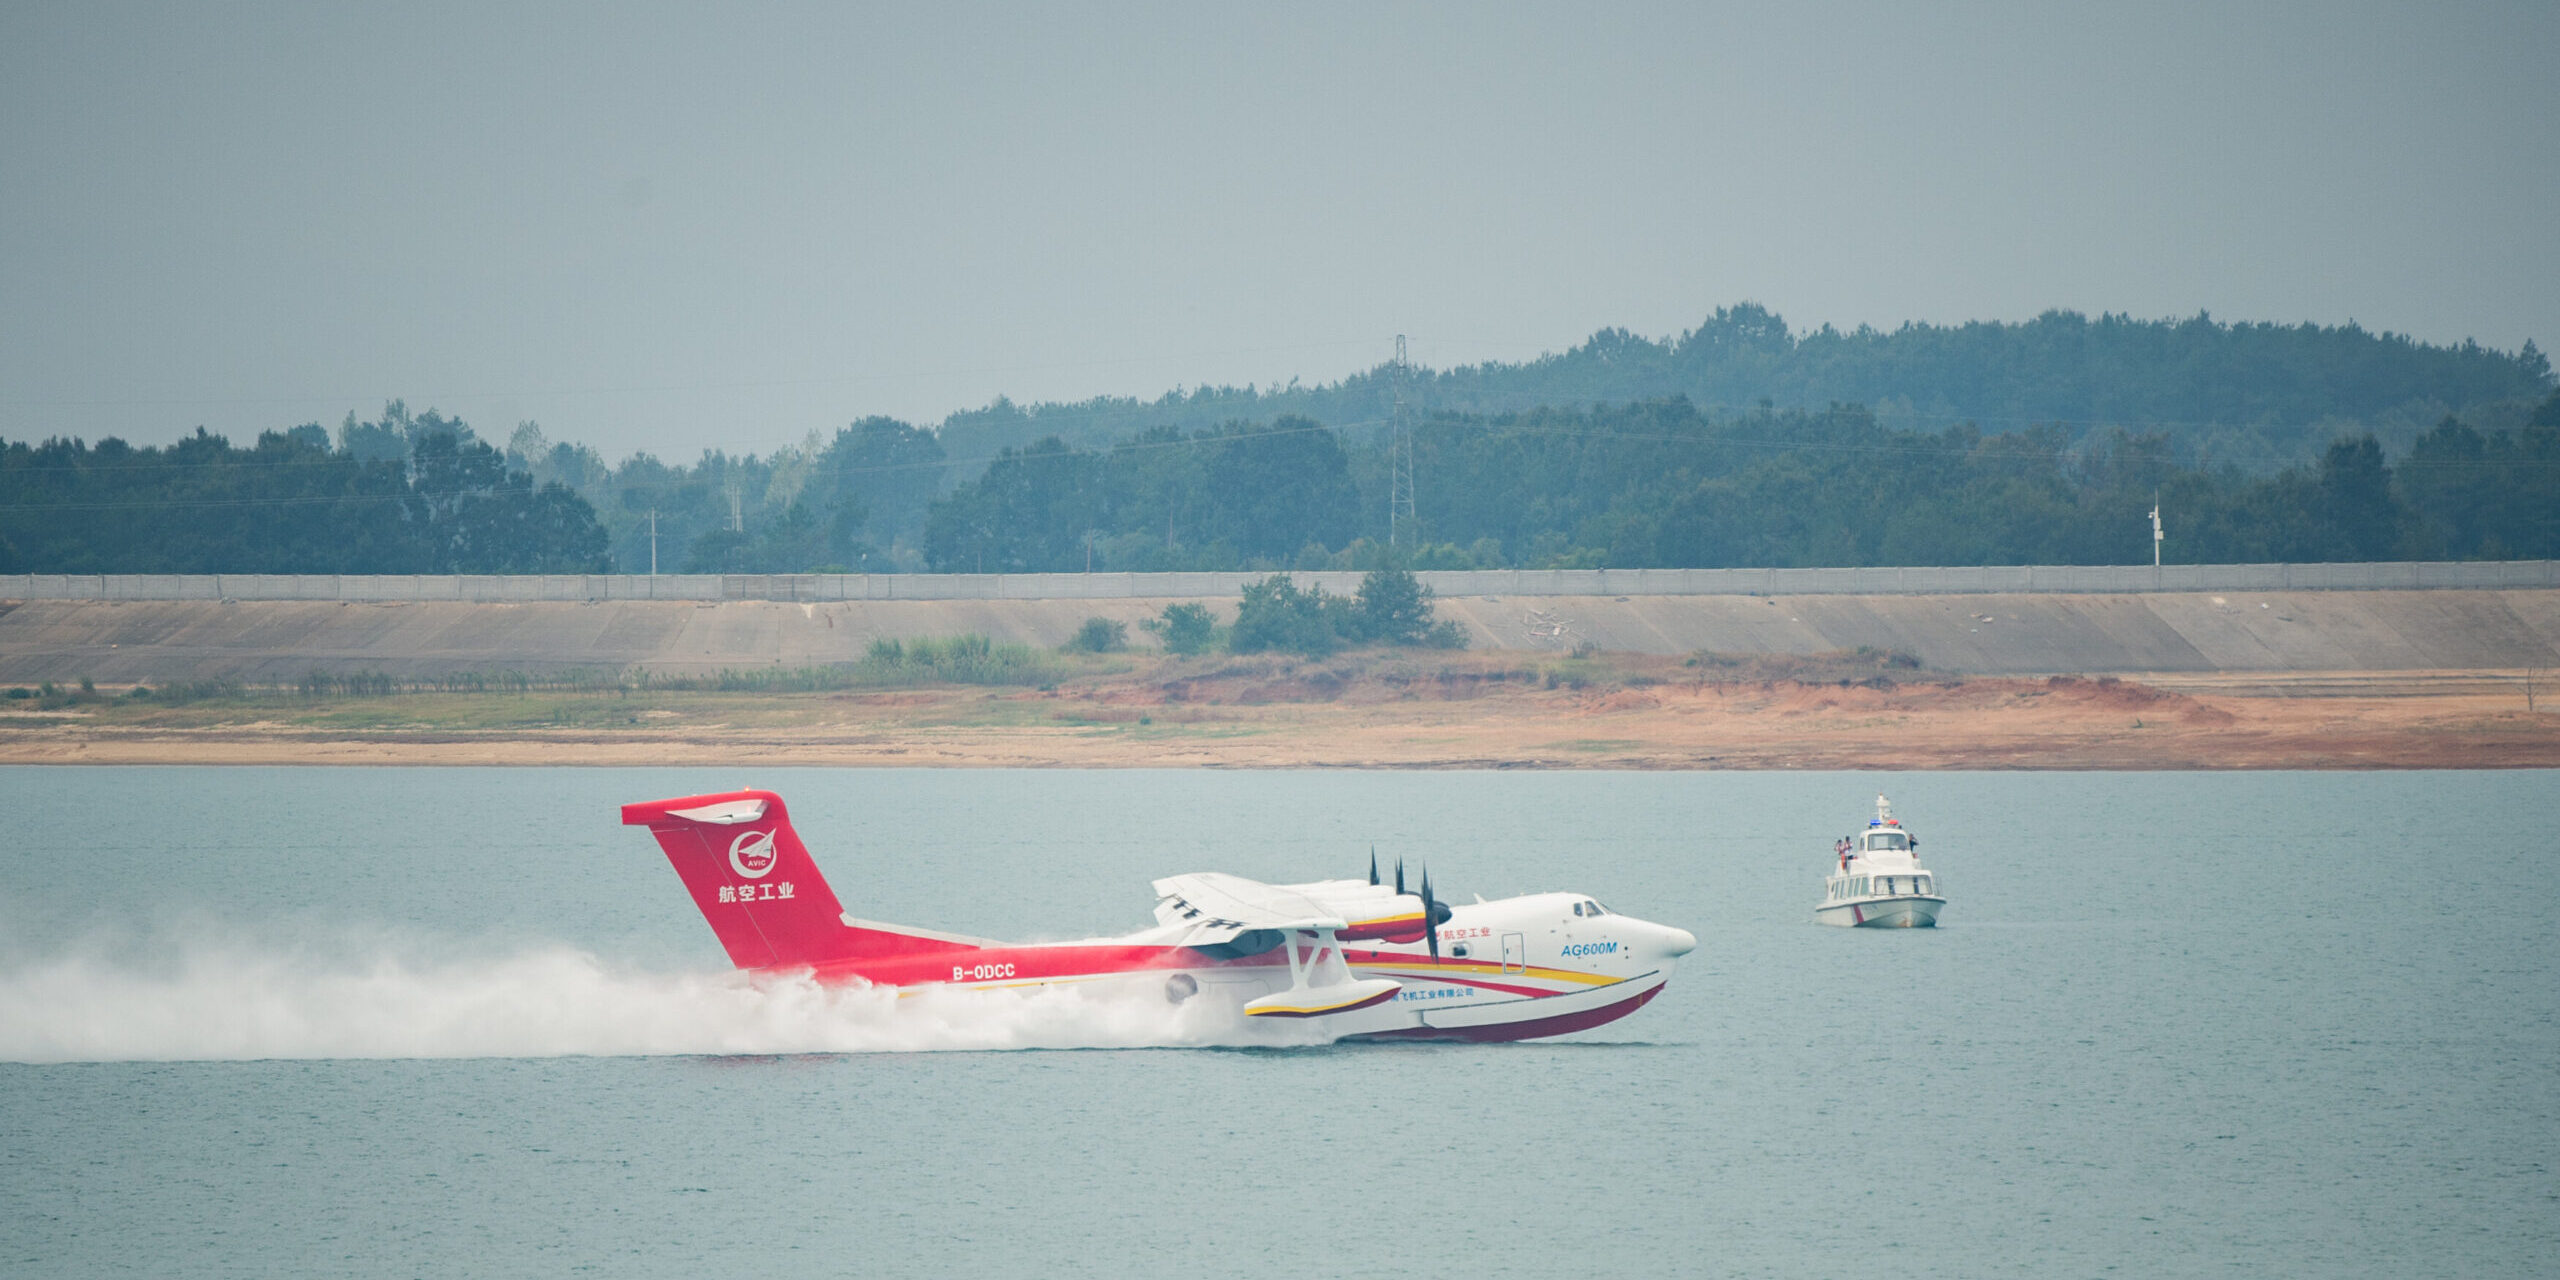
(1883,840)
(1881,861)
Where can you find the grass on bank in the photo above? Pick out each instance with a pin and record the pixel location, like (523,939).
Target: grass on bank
(470,701)
(959,681)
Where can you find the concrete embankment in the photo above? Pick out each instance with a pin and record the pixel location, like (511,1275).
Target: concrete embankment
(119,641)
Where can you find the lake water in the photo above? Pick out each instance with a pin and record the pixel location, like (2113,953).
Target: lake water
(394,1022)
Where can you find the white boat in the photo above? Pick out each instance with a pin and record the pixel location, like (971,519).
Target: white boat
(1879,882)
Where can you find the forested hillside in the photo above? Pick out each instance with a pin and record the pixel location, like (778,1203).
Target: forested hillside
(2262,395)
(1738,443)
(1664,484)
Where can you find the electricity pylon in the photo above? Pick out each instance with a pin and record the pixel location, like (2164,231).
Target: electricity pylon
(1401,520)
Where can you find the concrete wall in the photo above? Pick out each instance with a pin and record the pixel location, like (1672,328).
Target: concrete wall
(811,587)
(118,641)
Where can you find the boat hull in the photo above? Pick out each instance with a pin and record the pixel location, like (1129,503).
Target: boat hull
(1907,912)
(1524,1018)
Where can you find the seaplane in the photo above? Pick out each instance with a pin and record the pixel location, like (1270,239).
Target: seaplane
(1353,959)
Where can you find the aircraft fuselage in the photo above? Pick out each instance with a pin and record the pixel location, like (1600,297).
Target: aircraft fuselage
(1511,969)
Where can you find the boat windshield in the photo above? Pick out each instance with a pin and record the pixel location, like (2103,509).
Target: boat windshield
(1888,840)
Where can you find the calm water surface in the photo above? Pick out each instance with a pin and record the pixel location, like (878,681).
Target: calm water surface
(457,1022)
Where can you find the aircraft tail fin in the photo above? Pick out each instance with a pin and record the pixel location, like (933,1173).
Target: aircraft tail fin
(758,887)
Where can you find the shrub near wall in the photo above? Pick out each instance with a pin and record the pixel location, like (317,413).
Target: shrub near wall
(1390,608)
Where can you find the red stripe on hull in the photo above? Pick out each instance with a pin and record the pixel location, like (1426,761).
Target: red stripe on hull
(1561,1024)
(1023,964)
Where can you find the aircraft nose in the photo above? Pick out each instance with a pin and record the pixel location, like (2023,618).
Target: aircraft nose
(1666,942)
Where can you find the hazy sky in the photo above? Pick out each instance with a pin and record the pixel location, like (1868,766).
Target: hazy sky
(671,227)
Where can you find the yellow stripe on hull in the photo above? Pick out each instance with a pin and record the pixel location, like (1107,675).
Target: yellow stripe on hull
(1485,969)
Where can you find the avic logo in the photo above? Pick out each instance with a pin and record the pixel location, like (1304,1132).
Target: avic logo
(752,854)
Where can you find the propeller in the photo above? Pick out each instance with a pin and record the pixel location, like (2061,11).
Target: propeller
(1430,916)
(1435,913)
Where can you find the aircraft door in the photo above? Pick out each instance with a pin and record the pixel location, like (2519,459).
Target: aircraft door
(1515,953)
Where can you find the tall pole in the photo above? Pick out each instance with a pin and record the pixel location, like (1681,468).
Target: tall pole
(2156,535)
(1400,513)
(653,542)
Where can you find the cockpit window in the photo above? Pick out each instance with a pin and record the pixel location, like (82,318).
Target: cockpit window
(1577,908)
(1597,909)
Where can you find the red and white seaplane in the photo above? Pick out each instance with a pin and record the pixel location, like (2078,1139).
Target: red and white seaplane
(1370,960)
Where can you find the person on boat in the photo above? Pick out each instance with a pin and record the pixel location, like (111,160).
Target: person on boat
(1842,849)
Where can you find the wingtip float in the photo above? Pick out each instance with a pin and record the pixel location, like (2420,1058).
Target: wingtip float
(1370,961)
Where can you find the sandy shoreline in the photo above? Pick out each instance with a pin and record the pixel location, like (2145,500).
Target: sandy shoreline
(2336,721)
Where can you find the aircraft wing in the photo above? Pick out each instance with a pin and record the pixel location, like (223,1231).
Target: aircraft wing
(1216,908)
(1353,909)
(1212,901)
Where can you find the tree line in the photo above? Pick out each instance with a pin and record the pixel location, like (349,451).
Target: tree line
(2210,395)
(1659,484)
(2247,391)
(419,495)
(1739,442)
(1664,484)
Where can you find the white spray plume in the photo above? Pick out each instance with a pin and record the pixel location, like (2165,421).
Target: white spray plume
(221,1002)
